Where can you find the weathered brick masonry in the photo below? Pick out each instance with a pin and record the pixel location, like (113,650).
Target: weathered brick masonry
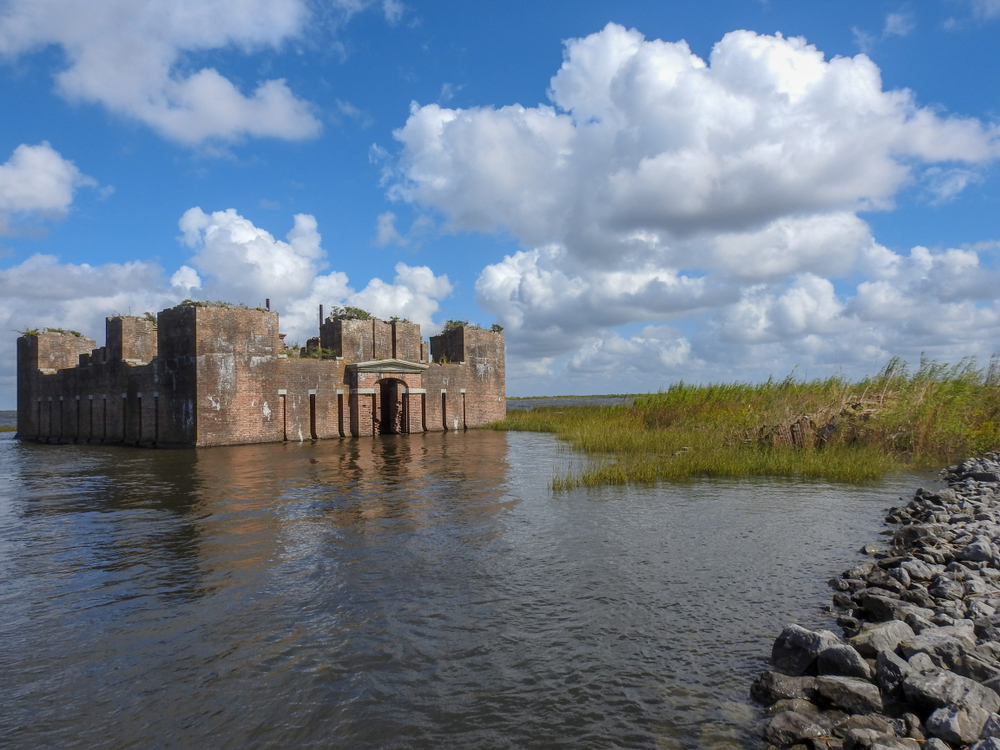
(220,375)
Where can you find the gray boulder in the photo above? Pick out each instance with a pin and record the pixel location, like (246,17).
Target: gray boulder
(851,694)
(945,588)
(919,570)
(789,727)
(878,723)
(991,728)
(883,608)
(795,651)
(943,688)
(945,645)
(990,743)
(884,636)
(841,659)
(770,687)
(957,725)
(890,670)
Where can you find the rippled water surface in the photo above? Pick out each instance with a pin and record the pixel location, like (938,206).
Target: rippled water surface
(412,592)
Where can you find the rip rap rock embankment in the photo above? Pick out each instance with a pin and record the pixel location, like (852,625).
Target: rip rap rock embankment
(919,663)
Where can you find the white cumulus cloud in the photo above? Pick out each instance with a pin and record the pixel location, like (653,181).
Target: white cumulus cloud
(37,180)
(238,261)
(128,56)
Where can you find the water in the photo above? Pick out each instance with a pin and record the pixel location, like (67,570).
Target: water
(411,592)
(564,401)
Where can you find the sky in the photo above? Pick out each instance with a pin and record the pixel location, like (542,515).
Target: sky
(638,192)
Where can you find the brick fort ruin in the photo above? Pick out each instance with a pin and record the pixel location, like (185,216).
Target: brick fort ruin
(214,374)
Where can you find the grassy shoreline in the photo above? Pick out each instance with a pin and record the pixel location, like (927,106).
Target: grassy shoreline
(830,429)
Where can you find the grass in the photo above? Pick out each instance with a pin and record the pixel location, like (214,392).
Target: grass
(831,429)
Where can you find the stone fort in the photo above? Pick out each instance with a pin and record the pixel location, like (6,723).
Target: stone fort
(214,374)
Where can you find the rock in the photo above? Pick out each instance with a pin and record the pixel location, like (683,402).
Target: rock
(919,571)
(890,670)
(849,624)
(772,686)
(944,588)
(979,610)
(843,599)
(884,636)
(918,623)
(880,724)
(945,645)
(869,739)
(798,705)
(919,595)
(914,727)
(976,667)
(859,571)
(916,533)
(851,694)
(991,728)
(935,743)
(795,651)
(944,688)
(883,608)
(869,549)
(957,725)
(789,727)
(921,662)
(842,659)
(990,743)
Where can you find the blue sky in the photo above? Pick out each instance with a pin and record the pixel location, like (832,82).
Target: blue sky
(639,193)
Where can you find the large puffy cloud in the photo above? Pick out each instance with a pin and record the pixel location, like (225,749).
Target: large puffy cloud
(721,195)
(128,56)
(645,134)
(242,262)
(37,180)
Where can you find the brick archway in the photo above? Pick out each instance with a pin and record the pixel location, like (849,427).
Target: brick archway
(392,406)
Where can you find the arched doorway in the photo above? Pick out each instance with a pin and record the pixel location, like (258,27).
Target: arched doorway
(391,406)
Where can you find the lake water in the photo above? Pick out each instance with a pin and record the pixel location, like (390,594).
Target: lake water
(408,592)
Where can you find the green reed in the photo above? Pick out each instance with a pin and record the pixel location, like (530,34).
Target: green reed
(859,430)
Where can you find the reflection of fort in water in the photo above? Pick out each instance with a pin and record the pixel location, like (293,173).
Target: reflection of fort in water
(206,375)
(251,507)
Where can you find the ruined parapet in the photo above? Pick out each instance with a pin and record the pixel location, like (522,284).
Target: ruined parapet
(350,339)
(367,340)
(53,349)
(406,341)
(43,353)
(482,349)
(131,339)
(466,387)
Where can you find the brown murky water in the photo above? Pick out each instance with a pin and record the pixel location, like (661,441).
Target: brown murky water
(420,592)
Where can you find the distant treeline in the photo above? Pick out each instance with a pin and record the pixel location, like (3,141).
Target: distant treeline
(831,429)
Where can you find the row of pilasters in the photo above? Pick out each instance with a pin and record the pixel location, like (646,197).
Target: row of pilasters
(102,418)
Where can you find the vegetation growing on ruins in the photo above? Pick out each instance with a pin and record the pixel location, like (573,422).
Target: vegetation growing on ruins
(450,325)
(832,429)
(220,303)
(348,313)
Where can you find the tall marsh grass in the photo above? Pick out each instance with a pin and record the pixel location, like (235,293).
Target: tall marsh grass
(831,429)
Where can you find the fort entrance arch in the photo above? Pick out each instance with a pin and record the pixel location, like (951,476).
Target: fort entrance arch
(387,397)
(392,406)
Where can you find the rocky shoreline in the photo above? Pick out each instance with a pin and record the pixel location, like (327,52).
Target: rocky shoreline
(918,665)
